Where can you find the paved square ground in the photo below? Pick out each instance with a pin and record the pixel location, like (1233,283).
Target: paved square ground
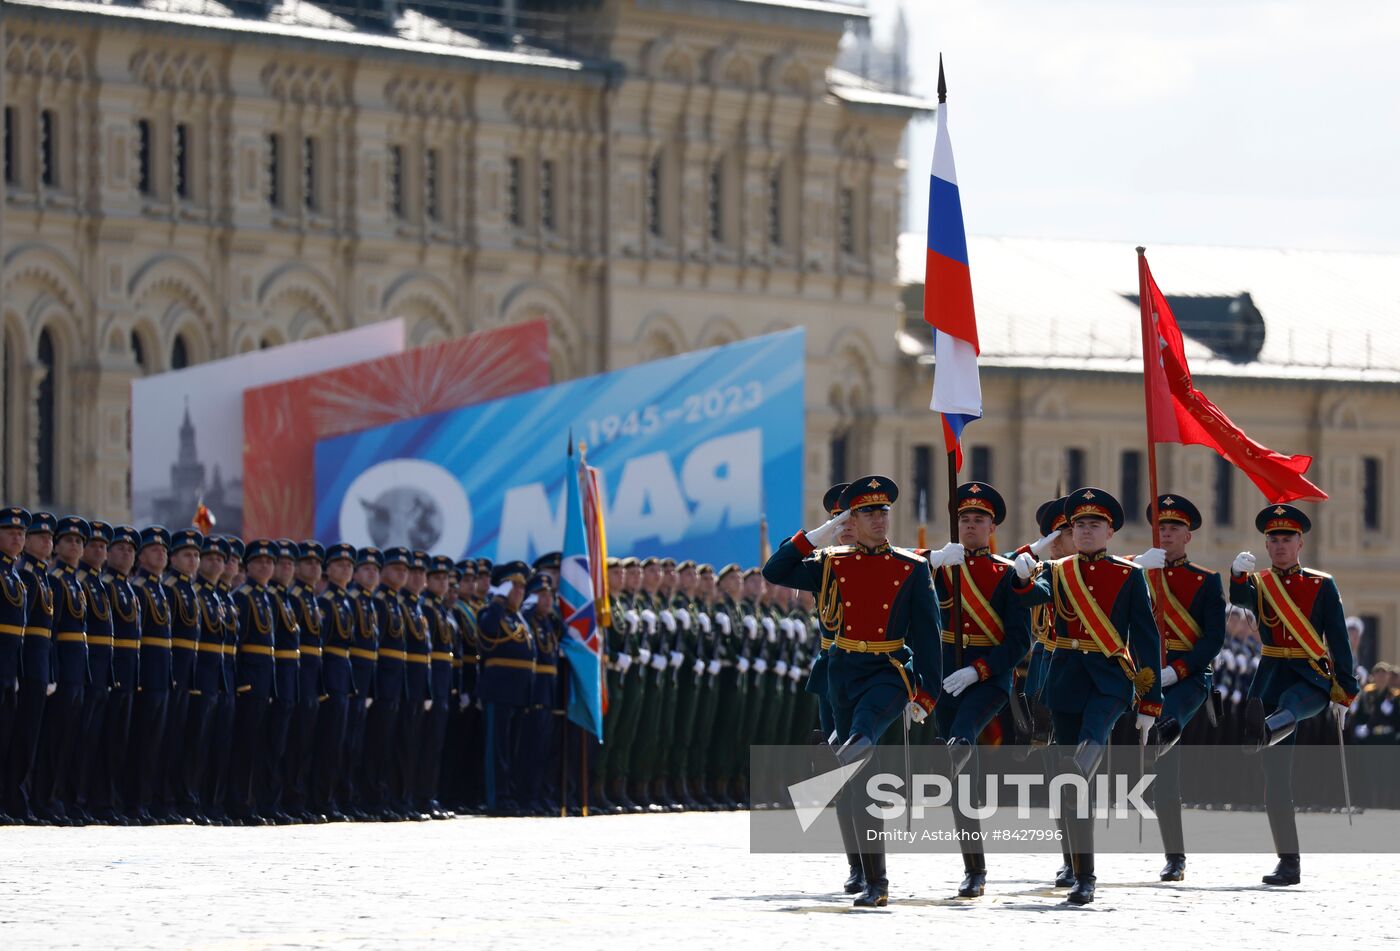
(621,882)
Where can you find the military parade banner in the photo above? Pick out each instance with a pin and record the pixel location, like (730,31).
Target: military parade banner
(692,452)
(284,420)
(187,425)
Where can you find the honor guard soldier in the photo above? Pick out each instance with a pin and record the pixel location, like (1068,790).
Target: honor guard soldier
(337,607)
(1191,603)
(286,655)
(216,774)
(364,669)
(1306,663)
(1056,541)
(110,800)
(829,612)
(541,729)
(382,751)
(301,749)
(442,641)
(64,709)
(14,526)
(995,634)
(90,749)
(211,684)
(466,749)
(185,547)
(148,723)
(36,668)
(506,685)
(1107,651)
(256,682)
(885,655)
(417,675)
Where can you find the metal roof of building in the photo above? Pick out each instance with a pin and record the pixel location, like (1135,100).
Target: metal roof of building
(1072,305)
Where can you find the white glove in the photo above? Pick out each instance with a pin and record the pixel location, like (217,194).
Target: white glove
(916,713)
(826,533)
(785,625)
(959,680)
(952,553)
(658,661)
(780,668)
(1152,558)
(633,620)
(49,690)
(649,618)
(743,665)
(698,667)
(644,656)
(463,702)
(723,621)
(1340,710)
(1025,564)
(623,662)
(704,621)
(750,625)
(427,705)
(712,667)
(1043,544)
(760,666)
(1243,563)
(794,673)
(1362,731)
(770,629)
(1168,677)
(1144,723)
(668,619)
(369,702)
(684,618)
(676,658)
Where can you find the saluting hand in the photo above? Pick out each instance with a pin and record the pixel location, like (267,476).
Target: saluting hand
(1243,563)
(826,533)
(1025,564)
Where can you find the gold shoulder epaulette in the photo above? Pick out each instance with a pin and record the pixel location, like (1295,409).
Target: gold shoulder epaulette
(1315,573)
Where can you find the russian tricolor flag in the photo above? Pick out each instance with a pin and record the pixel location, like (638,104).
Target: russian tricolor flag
(957,391)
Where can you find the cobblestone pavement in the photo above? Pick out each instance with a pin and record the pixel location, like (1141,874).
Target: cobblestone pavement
(620,882)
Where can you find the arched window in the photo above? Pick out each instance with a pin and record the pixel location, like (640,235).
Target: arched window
(179,353)
(138,353)
(47,443)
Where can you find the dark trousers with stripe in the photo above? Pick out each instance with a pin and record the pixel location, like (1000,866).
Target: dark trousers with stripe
(24,744)
(428,792)
(147,742)
(326,776)
(504,725)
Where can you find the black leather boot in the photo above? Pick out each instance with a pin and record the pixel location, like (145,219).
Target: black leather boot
(1175,869)
(959,752)
(1168,732)
(1261,731)
(1083,891)
(598,801)
(855,880)
(1289,871)
(876,893)
(974,882)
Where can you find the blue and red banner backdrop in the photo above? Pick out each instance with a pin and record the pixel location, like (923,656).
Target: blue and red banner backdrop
(693,451)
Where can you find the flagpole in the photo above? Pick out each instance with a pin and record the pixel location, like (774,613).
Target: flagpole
(956,611)
(1148,347)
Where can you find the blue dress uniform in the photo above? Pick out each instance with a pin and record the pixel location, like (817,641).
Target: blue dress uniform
(364,669)
(885,653)
(36,672)
(110,798)
(542,728)
(1107,652)
(443,639)
(1305,663)
(216,775)
(89,749)
(255,684)
(63,714)
(996,634)
(1191,603)
(505,684)
(466,743)
(301,749)
(153,688)
(286,655)
(210,687)
(337,606)
(382,755)
(13,613)
(417,673)
(184,648)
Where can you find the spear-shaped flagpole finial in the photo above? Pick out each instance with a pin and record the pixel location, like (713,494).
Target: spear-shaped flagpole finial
(942,84)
